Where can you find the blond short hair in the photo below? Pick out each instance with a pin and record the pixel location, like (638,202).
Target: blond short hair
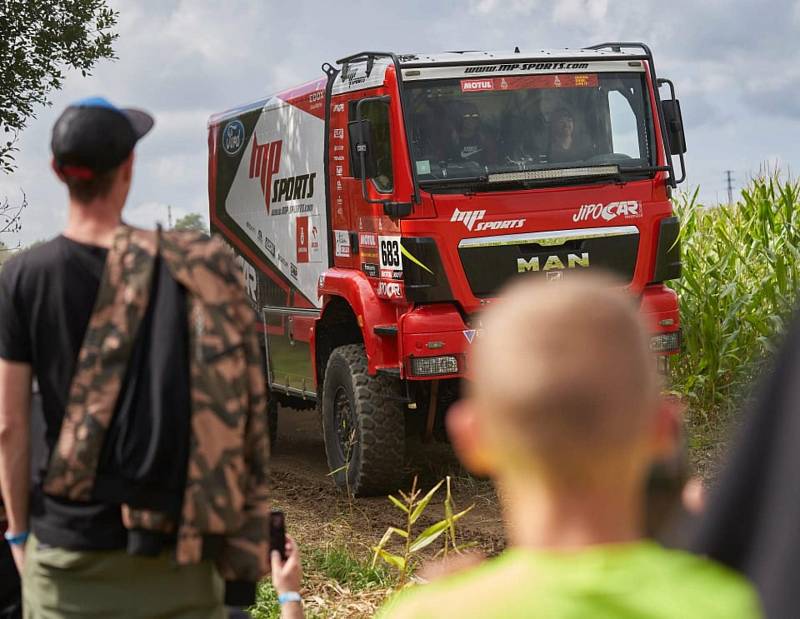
(563,374)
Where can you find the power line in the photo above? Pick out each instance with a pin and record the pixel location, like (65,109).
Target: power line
(729,180)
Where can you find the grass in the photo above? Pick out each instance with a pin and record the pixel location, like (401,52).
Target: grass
(337,583)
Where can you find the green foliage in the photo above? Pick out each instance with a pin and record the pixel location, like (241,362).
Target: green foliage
(192,221)
(332,563)
(413,505)
(339,564)
(741,270)
(40,41)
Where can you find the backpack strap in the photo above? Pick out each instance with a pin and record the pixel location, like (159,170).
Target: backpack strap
(120,306)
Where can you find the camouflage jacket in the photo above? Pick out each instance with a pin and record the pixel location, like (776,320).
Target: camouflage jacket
(226,483)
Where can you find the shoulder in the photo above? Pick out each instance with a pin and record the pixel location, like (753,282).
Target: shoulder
(29,262)
(466,594)
(710,588)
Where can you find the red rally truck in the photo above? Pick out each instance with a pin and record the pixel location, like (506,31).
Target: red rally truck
(377,209)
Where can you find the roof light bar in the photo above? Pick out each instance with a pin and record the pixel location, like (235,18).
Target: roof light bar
(540,175)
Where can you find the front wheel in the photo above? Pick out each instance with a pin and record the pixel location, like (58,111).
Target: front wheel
(362,424)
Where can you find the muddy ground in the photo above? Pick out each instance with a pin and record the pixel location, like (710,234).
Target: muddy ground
(316,513)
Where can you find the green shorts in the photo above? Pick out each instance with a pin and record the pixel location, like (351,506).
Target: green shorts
(60,583)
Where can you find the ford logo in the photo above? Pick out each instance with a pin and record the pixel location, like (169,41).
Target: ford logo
(233,137)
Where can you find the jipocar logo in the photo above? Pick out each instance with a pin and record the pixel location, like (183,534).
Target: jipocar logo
(233,137)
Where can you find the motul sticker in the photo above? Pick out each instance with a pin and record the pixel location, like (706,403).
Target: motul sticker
(476,85)
(368,239)
(342,238)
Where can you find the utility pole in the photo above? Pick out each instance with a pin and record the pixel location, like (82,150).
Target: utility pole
(729,180)
(169,216)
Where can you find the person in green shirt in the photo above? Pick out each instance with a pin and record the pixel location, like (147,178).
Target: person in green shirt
(564,413)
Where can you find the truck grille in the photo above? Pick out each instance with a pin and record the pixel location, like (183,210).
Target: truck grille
(489,262)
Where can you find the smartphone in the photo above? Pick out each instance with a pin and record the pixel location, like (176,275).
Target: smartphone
(277,532)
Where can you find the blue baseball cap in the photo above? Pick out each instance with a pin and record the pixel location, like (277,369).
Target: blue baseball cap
(93,136)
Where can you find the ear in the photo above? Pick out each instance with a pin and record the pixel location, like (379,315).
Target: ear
(667,427)
(54,166)
(463,427)
(127,168)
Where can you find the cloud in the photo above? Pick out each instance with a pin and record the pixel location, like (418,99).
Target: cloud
(733,63)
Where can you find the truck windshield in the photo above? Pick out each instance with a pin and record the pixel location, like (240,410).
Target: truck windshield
(468,128)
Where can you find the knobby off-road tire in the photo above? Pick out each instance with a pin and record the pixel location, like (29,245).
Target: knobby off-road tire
(362,424)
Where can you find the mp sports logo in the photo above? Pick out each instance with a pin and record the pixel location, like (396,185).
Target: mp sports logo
(470,218)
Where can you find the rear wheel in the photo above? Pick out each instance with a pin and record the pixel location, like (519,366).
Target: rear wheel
(362,423)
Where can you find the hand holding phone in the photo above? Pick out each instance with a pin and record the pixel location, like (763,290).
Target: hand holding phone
(277,533)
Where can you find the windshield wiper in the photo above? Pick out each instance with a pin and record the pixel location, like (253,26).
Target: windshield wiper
(455,180)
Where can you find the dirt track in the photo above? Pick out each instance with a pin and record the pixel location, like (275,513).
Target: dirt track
(318,514)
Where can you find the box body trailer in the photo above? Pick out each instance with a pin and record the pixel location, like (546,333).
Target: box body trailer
(376,210)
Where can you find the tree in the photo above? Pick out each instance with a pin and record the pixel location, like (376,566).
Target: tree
(40,41)
(10,216)
(192,221)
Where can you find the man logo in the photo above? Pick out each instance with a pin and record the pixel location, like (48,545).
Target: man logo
(553,263)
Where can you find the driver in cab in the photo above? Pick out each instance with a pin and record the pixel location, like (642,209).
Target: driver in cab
(564,145)
(472,143)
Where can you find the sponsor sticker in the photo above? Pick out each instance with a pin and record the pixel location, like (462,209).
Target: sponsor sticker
(628,209)
(527,82)
(370,269)
(293,270)
(472,220)
(469,335)
(390,290)
(338,134)
(368,239)
(391,259)
(424,166)
(342,238)
(233,137)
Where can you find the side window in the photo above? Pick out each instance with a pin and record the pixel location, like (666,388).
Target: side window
(377,112)
(624,133)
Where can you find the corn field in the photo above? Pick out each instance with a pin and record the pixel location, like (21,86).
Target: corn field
(741,270)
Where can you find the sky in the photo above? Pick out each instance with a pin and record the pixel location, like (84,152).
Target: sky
(734,63)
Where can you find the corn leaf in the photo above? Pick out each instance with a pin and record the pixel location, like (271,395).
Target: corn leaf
(423,503)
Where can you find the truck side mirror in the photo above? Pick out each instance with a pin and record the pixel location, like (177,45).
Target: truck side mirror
(673,120)
(360,133)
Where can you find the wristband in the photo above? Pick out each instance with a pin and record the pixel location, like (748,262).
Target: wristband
(18,539)
(289,596)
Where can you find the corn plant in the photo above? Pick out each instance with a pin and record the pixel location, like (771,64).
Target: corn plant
(412,506)
(741,271)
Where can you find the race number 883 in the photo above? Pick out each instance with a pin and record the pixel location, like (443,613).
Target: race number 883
(390,257)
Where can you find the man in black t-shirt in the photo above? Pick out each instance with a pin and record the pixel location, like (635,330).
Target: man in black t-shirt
(47,295)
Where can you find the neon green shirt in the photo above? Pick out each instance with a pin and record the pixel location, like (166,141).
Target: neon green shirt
(622,581)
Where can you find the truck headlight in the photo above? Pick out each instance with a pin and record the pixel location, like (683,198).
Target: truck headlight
(434,366)
(666,342)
